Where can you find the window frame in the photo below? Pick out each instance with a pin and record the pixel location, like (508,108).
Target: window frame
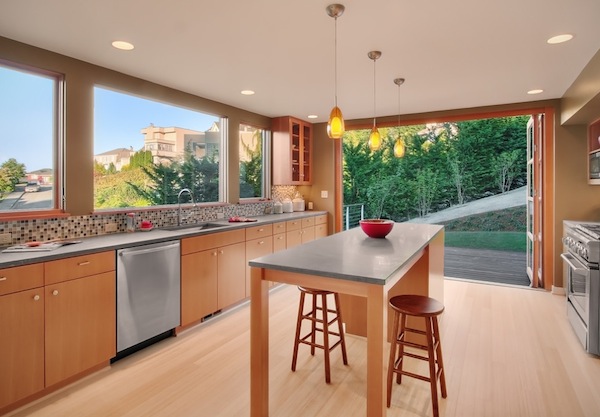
(223,148)
(58,144)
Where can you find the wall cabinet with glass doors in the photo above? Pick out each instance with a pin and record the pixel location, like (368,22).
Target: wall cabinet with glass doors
(594,153)
(292,151)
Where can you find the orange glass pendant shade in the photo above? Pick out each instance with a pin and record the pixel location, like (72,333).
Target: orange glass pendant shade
(335,125)
(399,148)
(374,139)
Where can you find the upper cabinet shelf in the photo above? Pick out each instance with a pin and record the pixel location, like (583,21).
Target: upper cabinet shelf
(292,151)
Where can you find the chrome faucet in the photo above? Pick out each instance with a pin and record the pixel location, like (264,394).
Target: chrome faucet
(185,190)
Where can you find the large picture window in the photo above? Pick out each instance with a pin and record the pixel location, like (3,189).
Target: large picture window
(145,152)
(254,149)
(29,145)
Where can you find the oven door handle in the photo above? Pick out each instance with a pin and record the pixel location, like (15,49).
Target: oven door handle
(572,262)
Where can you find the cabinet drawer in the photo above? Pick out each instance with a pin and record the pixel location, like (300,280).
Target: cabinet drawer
(322,219)
(293,225)
(79,266)
(215,240)
(308,222)
(259,231)
(320,231)
(278,227)
(21,278)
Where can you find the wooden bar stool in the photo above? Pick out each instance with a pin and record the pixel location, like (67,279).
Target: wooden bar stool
(324,321)
(427,309)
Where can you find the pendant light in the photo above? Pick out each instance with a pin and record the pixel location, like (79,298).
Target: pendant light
(335,124)
(374,137)
(399,146)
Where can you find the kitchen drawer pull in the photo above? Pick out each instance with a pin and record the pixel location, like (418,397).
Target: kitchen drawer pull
(83,263)
(36,297)
(261,230)
(55,292)
(262,242)
(3,278)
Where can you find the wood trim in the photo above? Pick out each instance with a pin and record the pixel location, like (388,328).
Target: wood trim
(548,216)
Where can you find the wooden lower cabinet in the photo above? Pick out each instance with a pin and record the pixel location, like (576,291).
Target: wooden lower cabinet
(256,248)
(80,317)
(199,278)
(213,274)
(63,327)
(232,275)
(22,345)
(279,242)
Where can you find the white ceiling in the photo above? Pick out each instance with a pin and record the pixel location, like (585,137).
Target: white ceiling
(453,53)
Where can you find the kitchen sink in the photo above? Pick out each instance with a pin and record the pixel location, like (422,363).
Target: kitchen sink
(194,227)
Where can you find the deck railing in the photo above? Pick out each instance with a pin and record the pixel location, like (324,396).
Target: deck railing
(353,213)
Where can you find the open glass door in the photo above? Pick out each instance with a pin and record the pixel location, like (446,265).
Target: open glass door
(535,136)
(530,196)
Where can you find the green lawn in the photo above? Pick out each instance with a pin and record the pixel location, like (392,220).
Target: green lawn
(510,241)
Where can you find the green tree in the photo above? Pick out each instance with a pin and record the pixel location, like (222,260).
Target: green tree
(11,173)
(506,169)
(251,167)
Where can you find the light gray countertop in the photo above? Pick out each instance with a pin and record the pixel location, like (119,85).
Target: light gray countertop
(125,240)
(352,255)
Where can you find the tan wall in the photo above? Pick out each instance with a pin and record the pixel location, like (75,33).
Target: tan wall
(80,80)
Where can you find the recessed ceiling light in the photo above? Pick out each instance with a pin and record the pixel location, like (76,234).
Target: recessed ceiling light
(536,91)
(247,92)
(312,116)
(560,38)
(122,45)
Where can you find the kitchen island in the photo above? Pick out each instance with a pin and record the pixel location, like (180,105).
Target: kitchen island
(366,272)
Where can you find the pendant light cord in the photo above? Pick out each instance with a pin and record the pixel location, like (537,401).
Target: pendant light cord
(374,93)
(335,60)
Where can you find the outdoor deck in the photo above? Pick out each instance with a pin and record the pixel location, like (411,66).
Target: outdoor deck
(486,265)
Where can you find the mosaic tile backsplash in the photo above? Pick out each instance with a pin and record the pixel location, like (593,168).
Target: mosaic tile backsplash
(42,230)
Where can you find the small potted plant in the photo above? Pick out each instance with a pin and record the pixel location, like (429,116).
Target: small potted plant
(378,227)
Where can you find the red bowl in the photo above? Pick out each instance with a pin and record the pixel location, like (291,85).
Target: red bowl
(377,228)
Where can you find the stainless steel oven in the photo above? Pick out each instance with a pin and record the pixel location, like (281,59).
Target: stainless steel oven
(582,275)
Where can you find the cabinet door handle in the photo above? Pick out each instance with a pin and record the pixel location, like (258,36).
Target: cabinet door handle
(214,253)
(262,242)
(83,263)
(3,278)
(261,230)
(55,292)
(221,252)
(36,297)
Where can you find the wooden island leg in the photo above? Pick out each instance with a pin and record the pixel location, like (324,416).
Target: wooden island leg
(375,342)
(259,344)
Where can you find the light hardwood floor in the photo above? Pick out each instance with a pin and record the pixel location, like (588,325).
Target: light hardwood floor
(508,352)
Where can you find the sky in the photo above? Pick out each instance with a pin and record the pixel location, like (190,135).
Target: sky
(26,119)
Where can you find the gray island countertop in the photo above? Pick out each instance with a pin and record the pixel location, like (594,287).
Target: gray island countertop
(352,255)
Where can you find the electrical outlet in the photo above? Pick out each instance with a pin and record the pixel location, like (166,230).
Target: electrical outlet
(324,194)
(5,238)
(220,215)
(110,227)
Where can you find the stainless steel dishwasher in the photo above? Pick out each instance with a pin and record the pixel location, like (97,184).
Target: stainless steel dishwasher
(148,292)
